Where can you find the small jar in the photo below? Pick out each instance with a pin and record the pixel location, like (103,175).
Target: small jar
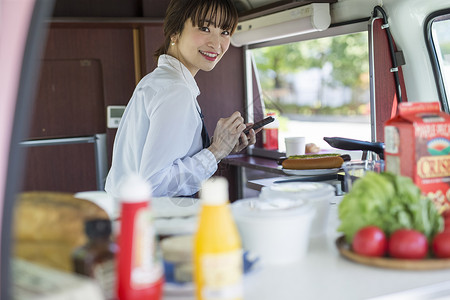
(96,258)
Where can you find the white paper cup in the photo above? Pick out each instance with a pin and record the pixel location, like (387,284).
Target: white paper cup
(295,145)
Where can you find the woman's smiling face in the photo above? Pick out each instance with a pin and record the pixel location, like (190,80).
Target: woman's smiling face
(200,47)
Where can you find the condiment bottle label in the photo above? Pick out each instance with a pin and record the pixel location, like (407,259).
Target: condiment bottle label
(222,276)
(270,138)
(105,275)
(146,268)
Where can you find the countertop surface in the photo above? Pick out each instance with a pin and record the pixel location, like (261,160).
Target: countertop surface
(324,274)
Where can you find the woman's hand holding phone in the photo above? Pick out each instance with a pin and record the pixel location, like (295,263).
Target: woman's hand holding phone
(232,135)
(246,140)
(248,136)
(226,135)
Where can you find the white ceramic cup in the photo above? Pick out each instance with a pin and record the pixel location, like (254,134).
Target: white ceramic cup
(295,145)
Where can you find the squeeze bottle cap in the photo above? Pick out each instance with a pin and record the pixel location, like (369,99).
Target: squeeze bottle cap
(98,228)
(214,191)
(134,189)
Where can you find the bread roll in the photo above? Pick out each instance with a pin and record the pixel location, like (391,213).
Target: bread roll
(311,148)
(48,226)
(313,162)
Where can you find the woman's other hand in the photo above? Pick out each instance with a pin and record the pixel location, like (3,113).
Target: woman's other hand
(226,135)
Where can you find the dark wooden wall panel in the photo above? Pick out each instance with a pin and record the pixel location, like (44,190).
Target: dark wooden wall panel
(98,8)
(385,92)
(70,99)
(110,8)
(112,46)
(87,66)
(154,8)
(65,168)
(152,38)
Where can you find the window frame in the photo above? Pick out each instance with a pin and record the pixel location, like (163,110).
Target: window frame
(356,26)
(439,15)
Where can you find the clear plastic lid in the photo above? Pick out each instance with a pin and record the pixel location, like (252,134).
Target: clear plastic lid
(309,191)
(278,207)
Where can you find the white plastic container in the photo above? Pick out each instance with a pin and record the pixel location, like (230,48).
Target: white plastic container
(318,194)
(276,231)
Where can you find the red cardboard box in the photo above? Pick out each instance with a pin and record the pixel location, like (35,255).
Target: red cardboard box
(417,145)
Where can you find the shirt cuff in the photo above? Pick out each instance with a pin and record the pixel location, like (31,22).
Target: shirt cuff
(208,161)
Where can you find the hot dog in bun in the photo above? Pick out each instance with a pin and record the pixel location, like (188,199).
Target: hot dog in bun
(314,161)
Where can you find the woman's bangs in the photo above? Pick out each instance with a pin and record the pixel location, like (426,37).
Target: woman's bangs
(217,13)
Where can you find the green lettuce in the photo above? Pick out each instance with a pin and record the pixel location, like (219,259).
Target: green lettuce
(390,202)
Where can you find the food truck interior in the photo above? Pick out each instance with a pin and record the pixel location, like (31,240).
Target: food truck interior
(326,68)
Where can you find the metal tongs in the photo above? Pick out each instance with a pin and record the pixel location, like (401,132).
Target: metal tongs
(350,144)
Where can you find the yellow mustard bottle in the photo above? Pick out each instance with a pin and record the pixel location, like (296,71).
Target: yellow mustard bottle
(218,261)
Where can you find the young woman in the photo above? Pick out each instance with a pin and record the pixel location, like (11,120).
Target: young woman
(162,136)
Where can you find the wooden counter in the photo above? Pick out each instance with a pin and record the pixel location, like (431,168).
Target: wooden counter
(254,162)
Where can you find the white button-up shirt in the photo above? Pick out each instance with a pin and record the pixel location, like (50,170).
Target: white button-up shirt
(159,136)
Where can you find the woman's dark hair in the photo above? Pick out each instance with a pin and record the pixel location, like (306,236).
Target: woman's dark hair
(198,11)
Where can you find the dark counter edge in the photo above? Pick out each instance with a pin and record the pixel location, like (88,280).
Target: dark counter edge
(254,162)
(271,166)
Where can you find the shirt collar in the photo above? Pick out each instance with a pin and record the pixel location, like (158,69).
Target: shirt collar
(172,62)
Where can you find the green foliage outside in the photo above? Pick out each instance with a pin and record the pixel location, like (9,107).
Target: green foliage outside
(445,49)
(347,55)
(350,109)
(443,37)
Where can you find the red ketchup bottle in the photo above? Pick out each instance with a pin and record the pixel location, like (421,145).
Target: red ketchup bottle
(270,134)
(140,272)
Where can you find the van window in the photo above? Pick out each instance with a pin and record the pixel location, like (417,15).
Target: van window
(440,43)
(318,88)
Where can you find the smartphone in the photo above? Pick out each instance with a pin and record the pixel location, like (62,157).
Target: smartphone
(259,124)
